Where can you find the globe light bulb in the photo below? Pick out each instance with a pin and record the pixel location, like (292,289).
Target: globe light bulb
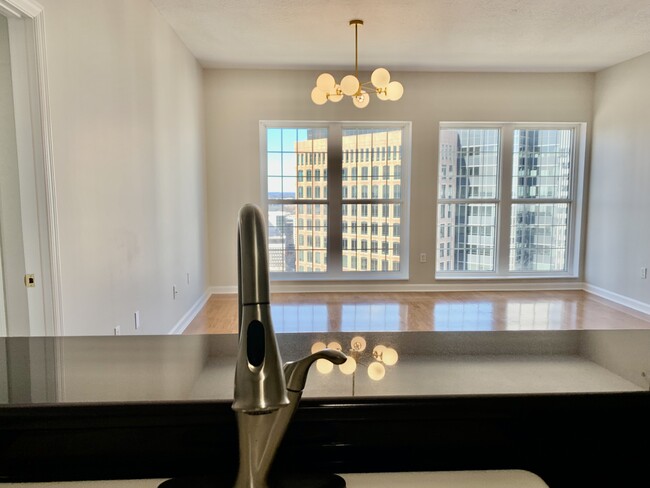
(390,356)
(394,90)
(378,352)
(326,82)
(380,78)
(318,346)
(362,100)
(334,97)
(334,345)
(381,94)
(349,366)
(358,344)
(350,85)
(376,371)
(318,96)
(324,366)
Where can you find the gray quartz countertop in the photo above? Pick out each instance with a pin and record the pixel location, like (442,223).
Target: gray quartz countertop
(444,479)
(78,370)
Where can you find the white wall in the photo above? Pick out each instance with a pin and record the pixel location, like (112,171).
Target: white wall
(11,230)
(236,100)
(618,241)
(127,123)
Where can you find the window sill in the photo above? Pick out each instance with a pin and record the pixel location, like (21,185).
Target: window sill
(351,276)
(509,277)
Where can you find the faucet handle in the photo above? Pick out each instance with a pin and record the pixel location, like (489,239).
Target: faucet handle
(295,372)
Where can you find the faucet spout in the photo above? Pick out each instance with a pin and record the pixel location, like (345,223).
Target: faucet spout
(259,382)
(266,395)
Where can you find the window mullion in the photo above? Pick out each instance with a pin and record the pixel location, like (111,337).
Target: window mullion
(505,207)
(334,198)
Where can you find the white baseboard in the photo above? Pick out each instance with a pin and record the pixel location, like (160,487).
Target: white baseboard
(404,287)
(637,305)
(186,319)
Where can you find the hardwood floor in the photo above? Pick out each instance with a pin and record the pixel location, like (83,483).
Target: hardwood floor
(422,311)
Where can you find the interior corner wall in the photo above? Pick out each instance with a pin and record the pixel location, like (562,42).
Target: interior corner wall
(618,238)
(236,100)
(127,130)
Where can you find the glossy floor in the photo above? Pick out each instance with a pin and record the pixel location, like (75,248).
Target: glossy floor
(422,311)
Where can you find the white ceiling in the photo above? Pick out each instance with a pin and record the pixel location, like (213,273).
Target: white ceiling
(423,35)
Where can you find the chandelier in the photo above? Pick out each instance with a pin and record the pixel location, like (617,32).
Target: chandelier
(327,89)
(375,361)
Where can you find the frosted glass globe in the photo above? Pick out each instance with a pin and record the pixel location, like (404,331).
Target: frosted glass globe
(350,85)
(318,96)
(390,356)
(395,90)
(335,345)
(326,82)
(348,367)
(376,371)
(318,346)
(362,100)
(380,77)
(324,366)
(358,343)
(336,98)
(381,94)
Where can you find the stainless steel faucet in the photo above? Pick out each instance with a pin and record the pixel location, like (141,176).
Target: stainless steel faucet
(266,394)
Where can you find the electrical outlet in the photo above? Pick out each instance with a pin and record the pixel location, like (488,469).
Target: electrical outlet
(423,257)
(174,291)
(644,273)
(136,319)
(117,331)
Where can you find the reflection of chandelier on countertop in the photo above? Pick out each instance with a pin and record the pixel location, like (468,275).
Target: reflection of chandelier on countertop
(382,355)
(327,88)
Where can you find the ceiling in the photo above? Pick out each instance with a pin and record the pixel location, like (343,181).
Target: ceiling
(421,35)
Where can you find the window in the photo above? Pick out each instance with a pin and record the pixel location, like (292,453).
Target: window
(508,199)
(371,198)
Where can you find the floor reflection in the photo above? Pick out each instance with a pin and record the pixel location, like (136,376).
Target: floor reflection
(463,316)
(449,311)
(371,317)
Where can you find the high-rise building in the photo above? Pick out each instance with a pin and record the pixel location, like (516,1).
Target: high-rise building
(371,181)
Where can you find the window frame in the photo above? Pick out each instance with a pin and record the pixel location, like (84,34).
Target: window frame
(504,202)
(335,200)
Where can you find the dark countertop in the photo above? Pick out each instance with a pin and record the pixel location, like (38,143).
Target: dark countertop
(125,407)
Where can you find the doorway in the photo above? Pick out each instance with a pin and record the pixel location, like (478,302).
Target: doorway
(28,240)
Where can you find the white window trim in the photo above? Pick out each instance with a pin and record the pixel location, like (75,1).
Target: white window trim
(505,200)
(335,163)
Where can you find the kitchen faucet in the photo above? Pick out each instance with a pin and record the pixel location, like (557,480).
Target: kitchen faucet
(266,394)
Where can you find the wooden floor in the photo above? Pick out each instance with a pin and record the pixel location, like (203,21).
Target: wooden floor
(448,311)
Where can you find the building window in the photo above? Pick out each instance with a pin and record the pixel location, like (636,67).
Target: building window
(509,199)
(341,156)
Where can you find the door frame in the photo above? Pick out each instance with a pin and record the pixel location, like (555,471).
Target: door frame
(26,25)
